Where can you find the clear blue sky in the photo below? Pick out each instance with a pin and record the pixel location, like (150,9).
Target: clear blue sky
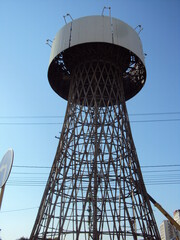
(25,92)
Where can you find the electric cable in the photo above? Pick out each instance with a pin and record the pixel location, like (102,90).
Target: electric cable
(62,116)
(57,117)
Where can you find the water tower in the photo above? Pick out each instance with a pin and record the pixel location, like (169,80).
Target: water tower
(95,188)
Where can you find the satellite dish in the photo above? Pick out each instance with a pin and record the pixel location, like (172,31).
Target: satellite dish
(5,167)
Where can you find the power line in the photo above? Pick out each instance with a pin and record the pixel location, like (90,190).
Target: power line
(19,210)
(143,166)
(27,173)
(147,183)
(156,175)
(55,116)
(148,114)
(30,123)
(160,171)
(166,177)
(163,165)
(60,123)
(23,166)
(43,183)
(155,120)
(144,172)
(29,117)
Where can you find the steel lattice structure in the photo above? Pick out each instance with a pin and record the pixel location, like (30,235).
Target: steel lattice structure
(95,188)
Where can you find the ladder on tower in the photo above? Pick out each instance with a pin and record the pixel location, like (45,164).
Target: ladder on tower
(99,211)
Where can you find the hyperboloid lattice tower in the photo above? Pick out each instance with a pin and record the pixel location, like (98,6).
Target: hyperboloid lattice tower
(95,188)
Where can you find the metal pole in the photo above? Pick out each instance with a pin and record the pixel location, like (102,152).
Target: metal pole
(1,195)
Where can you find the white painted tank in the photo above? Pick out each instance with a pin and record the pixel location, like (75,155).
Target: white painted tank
(96,29)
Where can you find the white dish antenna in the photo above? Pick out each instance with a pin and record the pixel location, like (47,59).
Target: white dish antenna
(5,167)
